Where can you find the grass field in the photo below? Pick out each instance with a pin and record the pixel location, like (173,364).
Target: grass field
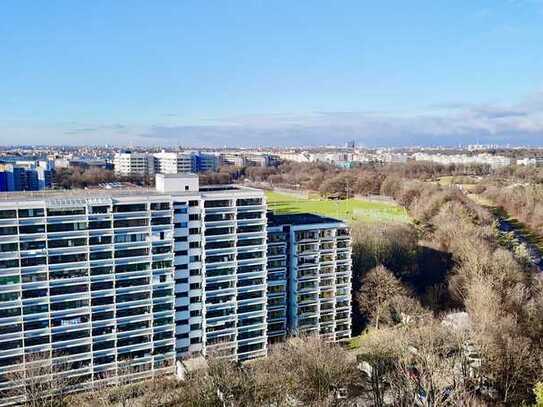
(350,210)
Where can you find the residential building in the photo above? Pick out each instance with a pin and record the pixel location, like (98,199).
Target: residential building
(88,281)
(494,161)
(313,254)
(128,163)
(123,282)
(172,163)
(25,176)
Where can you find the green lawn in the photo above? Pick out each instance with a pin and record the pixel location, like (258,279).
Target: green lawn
(350,210)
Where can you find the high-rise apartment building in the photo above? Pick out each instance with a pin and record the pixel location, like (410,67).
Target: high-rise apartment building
(172,163)
(89,282)
(309,277)
(114,282)
(25,176)
(129,163)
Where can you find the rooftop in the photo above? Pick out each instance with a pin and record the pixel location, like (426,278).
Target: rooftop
(299,219)
(119,192)
(178,175)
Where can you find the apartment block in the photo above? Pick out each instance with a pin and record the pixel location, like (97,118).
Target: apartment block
(25,176)
(128,163)
(121,283)
(172,163)
(88,282)
(309,277)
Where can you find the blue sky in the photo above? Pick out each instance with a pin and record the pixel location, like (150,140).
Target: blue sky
(271,72)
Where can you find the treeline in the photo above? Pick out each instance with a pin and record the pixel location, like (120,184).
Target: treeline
(363,180)
(523,202)
(501,302)
(302,371)
(76,178)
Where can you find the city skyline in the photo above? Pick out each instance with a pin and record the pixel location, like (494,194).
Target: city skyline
(280,75)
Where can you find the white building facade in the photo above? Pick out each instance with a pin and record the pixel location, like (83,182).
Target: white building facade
(121,283)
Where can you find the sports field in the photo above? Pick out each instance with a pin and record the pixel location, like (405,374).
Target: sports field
(350,210)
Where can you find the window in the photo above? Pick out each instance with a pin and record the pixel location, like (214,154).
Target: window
(181,238)
(160,206)
(8,214)
(31,213)
(195,300)
(29,229)
(161,221)
(131,252)
(181,210)
(99,209)
(249,201)
(250,215)
(6,264)
(8,247)
(32,261)
(194,231)
(8,230)
(104,224)
(97,240)
(130,208)
(195,286)
(37,245)
(181,281)
(53,244)
(217,204)
(128,223)
(67,258)
(100,255)
(223,244)
(65,211)
(66,227)
(194,216)
(182,308)
(181,253)
(193,203)
(194,245)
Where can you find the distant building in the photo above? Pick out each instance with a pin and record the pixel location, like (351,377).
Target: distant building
(202,162)
(233,159)
(532,161)
(172,163)
(128,163)
(25,176)
(494,161)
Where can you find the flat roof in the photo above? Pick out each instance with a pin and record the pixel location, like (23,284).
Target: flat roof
(90,193)
(299,219)
(179,175)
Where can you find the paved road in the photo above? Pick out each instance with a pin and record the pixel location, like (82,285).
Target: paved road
(535,254)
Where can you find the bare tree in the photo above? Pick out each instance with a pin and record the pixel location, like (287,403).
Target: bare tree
(378,287)
(40,381)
